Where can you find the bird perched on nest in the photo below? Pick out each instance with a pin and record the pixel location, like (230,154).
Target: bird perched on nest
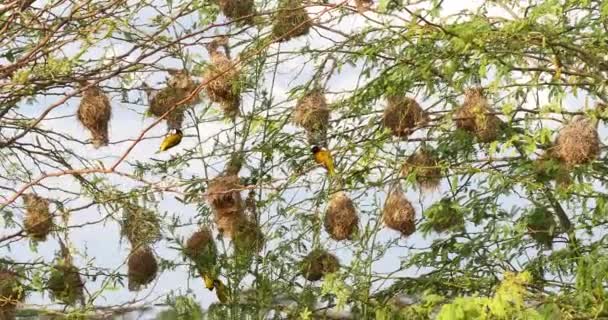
(173,138)
(323,157)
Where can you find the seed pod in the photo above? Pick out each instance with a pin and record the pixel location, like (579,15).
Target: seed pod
(341,220)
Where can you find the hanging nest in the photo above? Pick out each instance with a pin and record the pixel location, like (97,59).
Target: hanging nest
(140,226)
(11,294)
(94,113)
(224,194)
(403,115)
(542,226)
(179,86)
(312,114)
(290,21)
(445,216)
(477,117)
(341,220)
(425,166)
(221,79)
(38,219)
(578,142)
(248,237)
(65,283)
(318,263)
(227,222)
(201,248)
(549,168)
(363,5)
(243,11)
(142,268)
(398,213)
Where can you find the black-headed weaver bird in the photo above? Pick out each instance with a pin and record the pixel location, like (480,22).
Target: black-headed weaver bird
(173,138)
(323,157)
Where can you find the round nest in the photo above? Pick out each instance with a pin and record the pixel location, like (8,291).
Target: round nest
(179,87)
(578,142)
(290,21)
(241,10)
(142,268)
(444,216)
(341,220)
(11,293)
(363,5)
(65,284)
(227,222)
(542,226)
(549,168)
(398,213)
(221,80)
(224,194)
(477,117)
(140,226)
(425,166)
(201,248)
(403,115)
(318,263)
(248,237)
(94,113)
(312,114)
(38,219)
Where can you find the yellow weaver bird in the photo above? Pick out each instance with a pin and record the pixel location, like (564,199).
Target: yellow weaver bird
(323,157)
(173,138)
(220,291)
(208,282)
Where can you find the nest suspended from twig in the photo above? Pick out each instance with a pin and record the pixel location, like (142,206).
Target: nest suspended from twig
(142,268)
(444,216)
(201,248)
(319,263)
(578,142)
(140,226)
(180,86)
(477,117)
(425,166)
(550,168)
(341,220)
(290,21)
(242,11)
(403,115)
(542,226)
(364,5)
(38,219)
(221,79)
(224,194)
(248,237)
(227,222)
(65,283)
(94,113)
(398,213)
(12,293)
(312,114)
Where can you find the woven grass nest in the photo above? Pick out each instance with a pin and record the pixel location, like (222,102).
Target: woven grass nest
(444,216)
(363,5)
(11,294)
(424,164)
(550,168)
(542,226)
(142,267)
(94,113)
(477,116)
(248,237)
(201,248)
(403,115)
(179,86)
(242,11)
(318,263)
(578,142)
(140,226)
(312,114)
(224,194)
(227,222)
(341,220)
(398,213)
(290,21)
(221,79)
(65,283)
(38,219)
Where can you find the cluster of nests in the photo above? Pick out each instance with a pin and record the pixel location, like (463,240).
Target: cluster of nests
(142,229)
